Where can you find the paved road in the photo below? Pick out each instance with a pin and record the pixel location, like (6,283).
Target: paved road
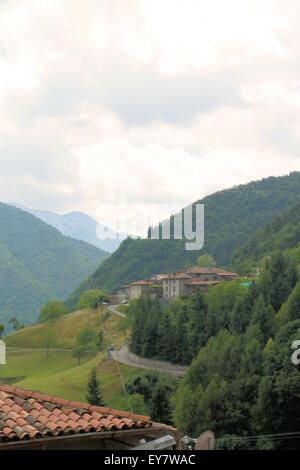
(114,309)
(126,357)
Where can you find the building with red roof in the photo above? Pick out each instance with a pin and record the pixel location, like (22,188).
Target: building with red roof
(33,420)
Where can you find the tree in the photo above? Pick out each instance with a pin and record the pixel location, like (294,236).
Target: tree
(143,384)
(86,336)
(160,407)
(293,304)
(278,280)
(94,395)
(79,352)
(52,310)
(15,323)
(278,403)
(179,332)
(150,328)
(49,339)
(137,404)
(264,316)
(2,328)
(221,300)
(86,343)
(92,298)
(157,391)
(100,340)
(239,317)
(164,338)
(197,313)
(206,261)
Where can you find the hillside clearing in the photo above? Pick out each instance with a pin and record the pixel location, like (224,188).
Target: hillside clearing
(59,374)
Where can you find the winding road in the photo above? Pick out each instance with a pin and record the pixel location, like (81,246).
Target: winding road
(126,357)
(114,309)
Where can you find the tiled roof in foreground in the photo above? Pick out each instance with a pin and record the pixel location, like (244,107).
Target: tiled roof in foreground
(25,414)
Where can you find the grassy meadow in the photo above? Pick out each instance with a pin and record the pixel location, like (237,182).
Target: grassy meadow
(58,372)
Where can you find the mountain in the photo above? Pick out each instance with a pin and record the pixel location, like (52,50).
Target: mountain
(282,233)
(38,263)
(79,226)
(232,217)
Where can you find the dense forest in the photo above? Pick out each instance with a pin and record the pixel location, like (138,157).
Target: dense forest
(231,218)
(37,263)
(282,233)
(238,342)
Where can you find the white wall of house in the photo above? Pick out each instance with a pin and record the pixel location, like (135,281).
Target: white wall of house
(135,292)
(174,288)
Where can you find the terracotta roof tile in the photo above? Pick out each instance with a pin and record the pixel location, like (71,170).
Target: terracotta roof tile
(203,270)
(25,414)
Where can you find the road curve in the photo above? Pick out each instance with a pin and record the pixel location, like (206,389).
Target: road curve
(126,357)
(114,309)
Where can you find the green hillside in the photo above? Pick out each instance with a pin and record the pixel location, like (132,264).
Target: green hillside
(231,218)
(37,263)
(282,233)
(58,372)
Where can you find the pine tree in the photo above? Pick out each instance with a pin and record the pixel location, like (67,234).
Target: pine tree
(160,407)
(197,311)
(278,280)
(264,316)
(239,317)
(164,340)
(94,396)
(293,304)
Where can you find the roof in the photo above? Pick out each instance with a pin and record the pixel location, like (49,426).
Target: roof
(142,282)
(159,277)
(203,270)
(25,414)
(178,275)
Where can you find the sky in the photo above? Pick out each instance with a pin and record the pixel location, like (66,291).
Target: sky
(152,104)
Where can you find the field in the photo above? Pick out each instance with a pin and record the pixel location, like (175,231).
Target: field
(58,373)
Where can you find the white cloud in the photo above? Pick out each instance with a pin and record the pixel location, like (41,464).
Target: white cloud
(159,102)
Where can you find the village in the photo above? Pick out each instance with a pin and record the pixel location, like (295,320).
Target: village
(173,285)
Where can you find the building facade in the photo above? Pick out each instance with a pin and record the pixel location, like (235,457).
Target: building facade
(174,285)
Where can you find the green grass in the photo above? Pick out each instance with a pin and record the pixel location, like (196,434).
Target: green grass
(63,331)
(59,374)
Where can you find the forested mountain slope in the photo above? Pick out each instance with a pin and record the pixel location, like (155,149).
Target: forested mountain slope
(282,233)
(232,217)
(37,263)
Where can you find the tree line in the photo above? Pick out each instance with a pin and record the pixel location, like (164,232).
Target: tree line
(241,380)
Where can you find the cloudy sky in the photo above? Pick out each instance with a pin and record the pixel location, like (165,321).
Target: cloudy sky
(148,101)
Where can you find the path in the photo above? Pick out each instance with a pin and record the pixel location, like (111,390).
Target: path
(126,357)
(114,309)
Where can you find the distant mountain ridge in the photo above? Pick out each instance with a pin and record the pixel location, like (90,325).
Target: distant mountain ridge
(38,263)
(79,226)
(232,217)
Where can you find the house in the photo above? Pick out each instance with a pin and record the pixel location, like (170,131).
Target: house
(175,285)
(36,421)
(193,279)
(150,287)
(210,274)
(122,294)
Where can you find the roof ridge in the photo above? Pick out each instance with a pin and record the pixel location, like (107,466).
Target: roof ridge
(71,404)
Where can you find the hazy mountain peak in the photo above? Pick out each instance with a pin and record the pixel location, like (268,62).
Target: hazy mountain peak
(80,226)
